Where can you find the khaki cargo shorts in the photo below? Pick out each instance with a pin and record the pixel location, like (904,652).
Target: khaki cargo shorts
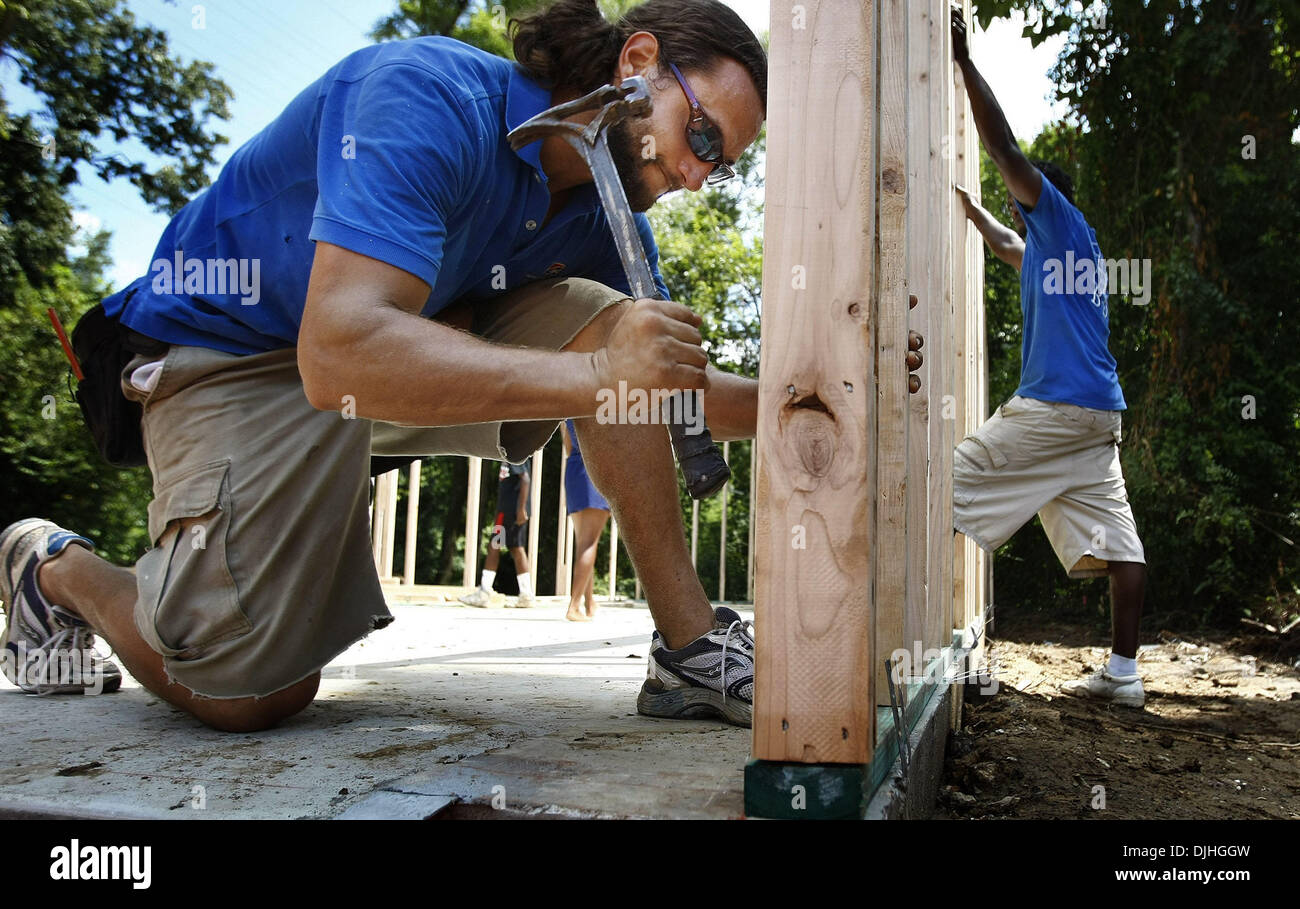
(1060,461)
(261,569)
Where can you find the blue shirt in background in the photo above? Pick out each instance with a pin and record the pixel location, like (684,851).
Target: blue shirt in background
(1063,297)
(399,153)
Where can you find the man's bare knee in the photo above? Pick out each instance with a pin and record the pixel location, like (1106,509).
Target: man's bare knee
(256,714)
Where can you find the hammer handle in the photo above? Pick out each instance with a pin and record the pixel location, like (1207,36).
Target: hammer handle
(703,467)
(702,464)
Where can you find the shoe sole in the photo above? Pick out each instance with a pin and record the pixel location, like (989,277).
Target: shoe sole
(1129,701)
(692,704)
(109,686)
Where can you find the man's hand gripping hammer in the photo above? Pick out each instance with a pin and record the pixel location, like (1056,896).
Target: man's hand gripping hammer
(702,464)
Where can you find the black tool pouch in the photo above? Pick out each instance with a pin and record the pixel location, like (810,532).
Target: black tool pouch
(104,346)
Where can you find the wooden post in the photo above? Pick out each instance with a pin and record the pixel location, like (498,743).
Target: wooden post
(470,578)
(749,569)
(534,512)
(412,522)
(978,570)
(613,559)
(853,546)
(815,542)
(923,184)
(570,533)
(892,411)
(943,431)
(722,533)
(390,523)
(961,337)
(378,520)
(561,530)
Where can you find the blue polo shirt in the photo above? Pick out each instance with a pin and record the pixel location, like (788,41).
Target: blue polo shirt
(399,153)
(1065,355)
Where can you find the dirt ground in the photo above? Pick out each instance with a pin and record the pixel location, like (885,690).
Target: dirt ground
(1219,737)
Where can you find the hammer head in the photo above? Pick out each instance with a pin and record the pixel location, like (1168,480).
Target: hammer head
(631,98)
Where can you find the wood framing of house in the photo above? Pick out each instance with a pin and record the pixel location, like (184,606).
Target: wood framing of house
(856,559)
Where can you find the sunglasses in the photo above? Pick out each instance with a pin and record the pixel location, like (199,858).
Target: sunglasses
(703,136)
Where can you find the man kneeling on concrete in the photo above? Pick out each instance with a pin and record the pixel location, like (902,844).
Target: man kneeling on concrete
(384,193)
(1054,447)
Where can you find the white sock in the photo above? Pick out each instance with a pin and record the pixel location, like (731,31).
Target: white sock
(525,584)
(488,578)
(1122,666)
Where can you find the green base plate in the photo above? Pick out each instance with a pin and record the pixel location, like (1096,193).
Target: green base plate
(829,791)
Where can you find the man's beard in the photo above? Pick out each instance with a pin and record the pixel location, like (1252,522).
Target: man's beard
(625,149)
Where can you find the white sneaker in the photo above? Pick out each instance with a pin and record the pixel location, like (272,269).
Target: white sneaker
(525,601)
(712,676)
(46,649)
(478,597)
(1124,690)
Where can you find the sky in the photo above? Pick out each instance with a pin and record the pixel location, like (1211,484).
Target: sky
(269,50)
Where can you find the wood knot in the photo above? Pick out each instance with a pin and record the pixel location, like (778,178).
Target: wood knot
(813,433)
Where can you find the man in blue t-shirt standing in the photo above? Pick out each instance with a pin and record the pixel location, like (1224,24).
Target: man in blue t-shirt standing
(1053,449)
(377,272)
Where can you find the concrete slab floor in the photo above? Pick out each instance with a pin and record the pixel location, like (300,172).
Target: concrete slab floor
(448,701)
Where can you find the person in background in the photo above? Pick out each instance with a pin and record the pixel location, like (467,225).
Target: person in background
(1054,447)
(589,511)
(509,532)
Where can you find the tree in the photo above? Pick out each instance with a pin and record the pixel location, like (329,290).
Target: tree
(48,461)
(711,257)
(477,22)
(97,75)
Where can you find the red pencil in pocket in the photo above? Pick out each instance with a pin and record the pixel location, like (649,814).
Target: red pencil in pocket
(67,348)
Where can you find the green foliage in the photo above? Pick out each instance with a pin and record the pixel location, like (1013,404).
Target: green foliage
(96,74)
(477,22)
(35,216)
(711,257)
(100,73)
(1167,100)
(48,461)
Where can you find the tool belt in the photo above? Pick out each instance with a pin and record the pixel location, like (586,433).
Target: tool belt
(105,346)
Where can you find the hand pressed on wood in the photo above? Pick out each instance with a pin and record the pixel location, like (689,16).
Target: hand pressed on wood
(960,53)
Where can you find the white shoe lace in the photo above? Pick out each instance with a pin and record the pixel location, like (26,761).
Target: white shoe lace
(746,629)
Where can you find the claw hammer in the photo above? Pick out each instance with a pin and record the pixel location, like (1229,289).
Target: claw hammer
(702,464)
